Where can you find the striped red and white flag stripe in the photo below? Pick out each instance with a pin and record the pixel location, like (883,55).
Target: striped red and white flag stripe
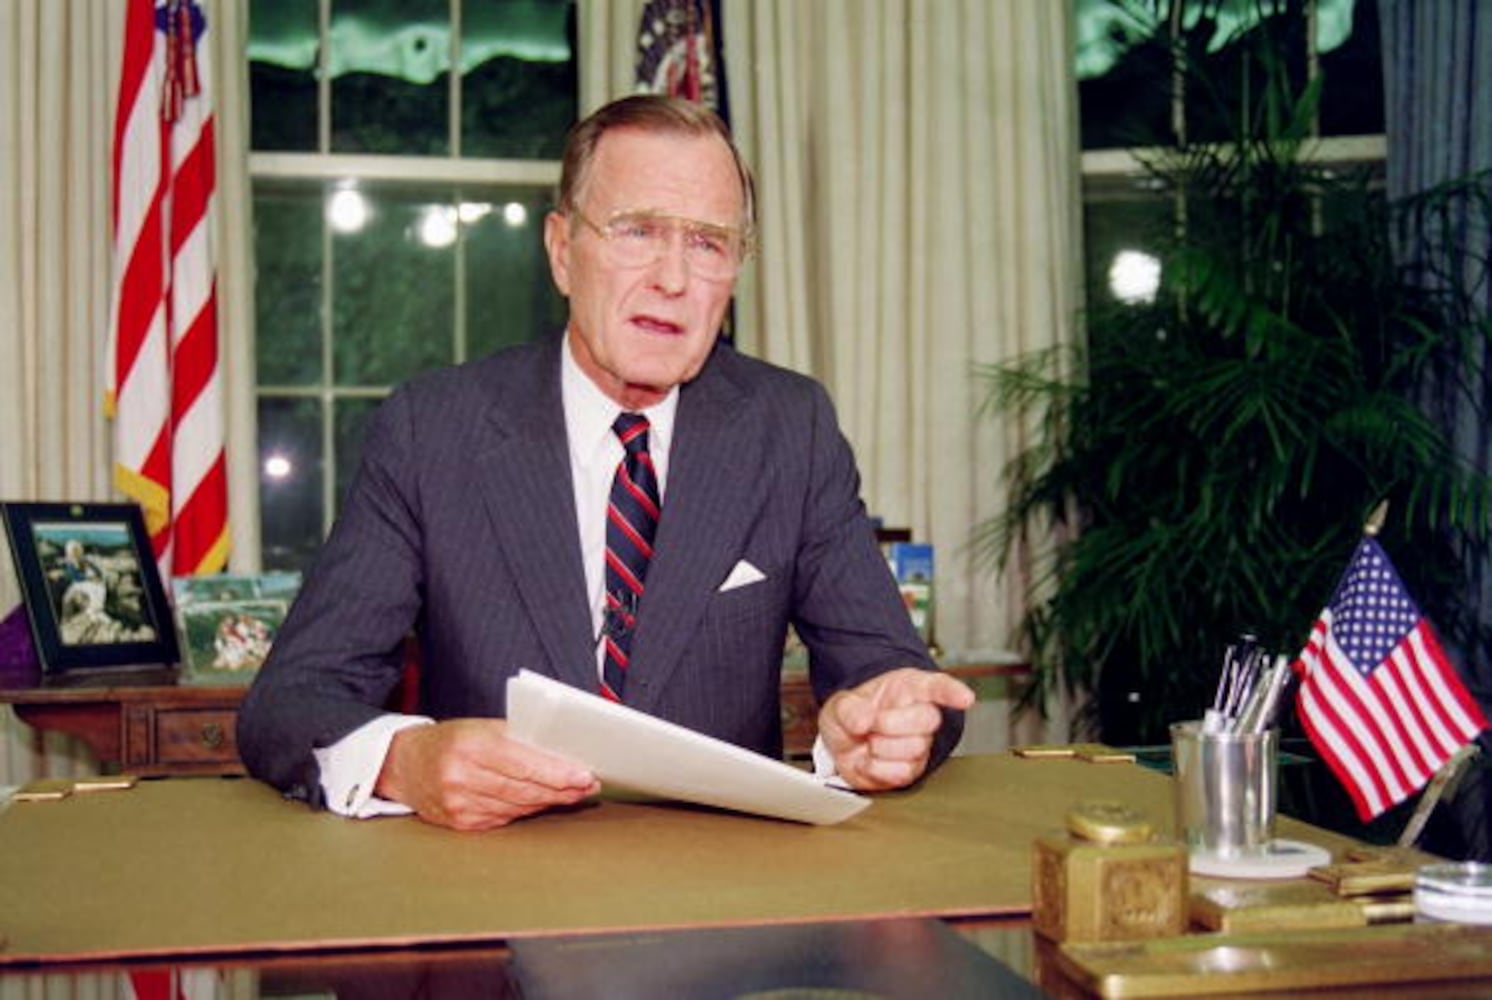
(175,984)
(163,377)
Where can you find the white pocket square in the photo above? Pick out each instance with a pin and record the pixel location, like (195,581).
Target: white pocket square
(740,575)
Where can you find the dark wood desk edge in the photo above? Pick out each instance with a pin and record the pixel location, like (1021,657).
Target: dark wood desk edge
(1004,936)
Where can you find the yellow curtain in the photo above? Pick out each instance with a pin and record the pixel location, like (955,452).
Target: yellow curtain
(920,216)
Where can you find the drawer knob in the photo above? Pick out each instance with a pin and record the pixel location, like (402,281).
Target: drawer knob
(212,735)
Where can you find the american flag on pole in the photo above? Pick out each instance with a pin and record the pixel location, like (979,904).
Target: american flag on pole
(1378,698)
(678,52)
(163,389)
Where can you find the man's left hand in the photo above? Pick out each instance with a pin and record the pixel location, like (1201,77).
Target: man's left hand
(881,732)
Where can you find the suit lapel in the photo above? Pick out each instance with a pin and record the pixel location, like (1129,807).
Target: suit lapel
(526,487)
(706,513)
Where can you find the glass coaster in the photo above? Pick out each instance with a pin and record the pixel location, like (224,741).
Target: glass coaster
(1281,859)
(1456,893)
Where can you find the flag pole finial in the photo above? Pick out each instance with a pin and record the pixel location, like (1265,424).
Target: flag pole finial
(1375,519)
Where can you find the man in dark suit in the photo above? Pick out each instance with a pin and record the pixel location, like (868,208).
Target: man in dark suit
(481,512)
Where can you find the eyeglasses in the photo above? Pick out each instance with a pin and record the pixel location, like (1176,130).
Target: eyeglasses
(639,239)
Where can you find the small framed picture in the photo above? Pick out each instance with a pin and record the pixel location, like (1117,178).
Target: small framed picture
(91,586)
(229,622)
(226,642)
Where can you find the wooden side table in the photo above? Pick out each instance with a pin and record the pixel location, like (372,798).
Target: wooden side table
(143,723)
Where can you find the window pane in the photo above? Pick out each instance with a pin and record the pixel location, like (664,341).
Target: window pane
(1124,75)
(389,63)
(283,46)
(288,288)
(1230,61)
(1359,201)
(510,297)
(1352,71)
(393,286)
(1125,231)
(290,481)
(518,81)
(362,284)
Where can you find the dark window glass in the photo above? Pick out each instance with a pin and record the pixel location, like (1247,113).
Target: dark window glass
(1124,75)
(1126,228)
(291,467)
(518,82)
(1352,71)
(287,283)
(1360,196)
(1125,66)
(1229,62)
(510,296)
(393,288)
(389,64)
(283,50)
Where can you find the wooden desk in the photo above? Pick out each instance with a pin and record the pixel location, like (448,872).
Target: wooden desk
(187,866)
(225,878)
(165,729)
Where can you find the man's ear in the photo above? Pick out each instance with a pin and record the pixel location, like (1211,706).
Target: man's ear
(557,246)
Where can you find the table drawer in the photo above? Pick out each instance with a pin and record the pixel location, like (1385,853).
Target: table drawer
(196,736)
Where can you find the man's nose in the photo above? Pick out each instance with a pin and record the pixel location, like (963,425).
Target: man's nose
(672,267)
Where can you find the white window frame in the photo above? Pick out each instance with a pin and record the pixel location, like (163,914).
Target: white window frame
(325,166)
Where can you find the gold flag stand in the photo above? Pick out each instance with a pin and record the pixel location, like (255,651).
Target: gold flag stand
(1442,785)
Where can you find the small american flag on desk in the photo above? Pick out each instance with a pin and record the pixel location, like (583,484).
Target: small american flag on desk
(1378,697)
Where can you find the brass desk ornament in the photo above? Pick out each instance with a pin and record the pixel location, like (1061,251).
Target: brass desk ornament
(1107,878)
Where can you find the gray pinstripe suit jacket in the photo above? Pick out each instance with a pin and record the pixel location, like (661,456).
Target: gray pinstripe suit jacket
(461,524)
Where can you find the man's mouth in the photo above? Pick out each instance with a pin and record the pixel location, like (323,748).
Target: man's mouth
(658,325)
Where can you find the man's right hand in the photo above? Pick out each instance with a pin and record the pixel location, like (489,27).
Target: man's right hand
(468,775)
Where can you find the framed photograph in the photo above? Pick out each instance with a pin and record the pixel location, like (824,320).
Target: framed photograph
(226,642)
(229,622)
(218,587)
(91,587)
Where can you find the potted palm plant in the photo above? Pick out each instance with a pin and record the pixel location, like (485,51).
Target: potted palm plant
(1208,457)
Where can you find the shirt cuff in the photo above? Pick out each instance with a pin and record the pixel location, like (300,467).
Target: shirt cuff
(350,767)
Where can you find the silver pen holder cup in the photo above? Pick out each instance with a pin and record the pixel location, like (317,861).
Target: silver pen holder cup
(1226,789)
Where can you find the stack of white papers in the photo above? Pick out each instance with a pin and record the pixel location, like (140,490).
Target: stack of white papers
(634,750)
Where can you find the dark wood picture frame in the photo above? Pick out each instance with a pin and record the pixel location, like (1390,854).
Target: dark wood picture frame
(91,586)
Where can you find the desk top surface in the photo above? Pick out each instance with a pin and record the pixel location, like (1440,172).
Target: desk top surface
(211,866)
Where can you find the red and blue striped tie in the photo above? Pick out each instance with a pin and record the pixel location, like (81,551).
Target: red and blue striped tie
(631,522)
